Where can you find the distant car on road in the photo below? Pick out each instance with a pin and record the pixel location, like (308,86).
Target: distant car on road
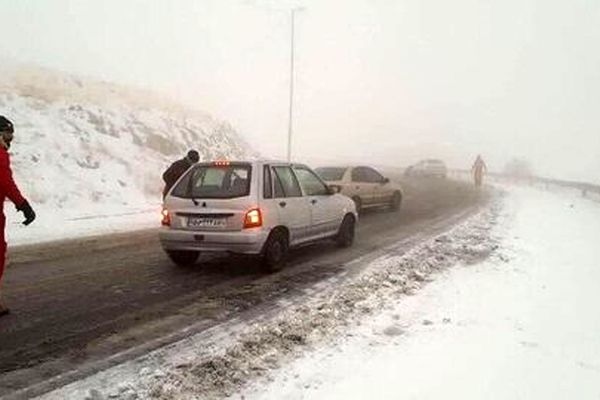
(367,187)
(430,168)
(257,208)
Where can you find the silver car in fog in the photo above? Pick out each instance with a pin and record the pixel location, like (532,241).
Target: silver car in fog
(365,185)
(428,168)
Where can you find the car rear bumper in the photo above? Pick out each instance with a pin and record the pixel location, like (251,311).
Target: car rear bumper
(249,241)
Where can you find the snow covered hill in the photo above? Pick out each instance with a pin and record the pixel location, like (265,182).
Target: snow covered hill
(85,148)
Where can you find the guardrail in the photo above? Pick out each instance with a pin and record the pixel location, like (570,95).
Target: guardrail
(586,190)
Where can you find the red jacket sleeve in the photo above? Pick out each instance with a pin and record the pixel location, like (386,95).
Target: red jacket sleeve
(7,183)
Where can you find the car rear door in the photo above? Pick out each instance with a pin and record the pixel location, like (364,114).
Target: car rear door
(361,186)
(292,207)
(326,214)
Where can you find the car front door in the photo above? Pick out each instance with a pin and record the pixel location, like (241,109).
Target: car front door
(325,212)
(293,208)
(381,188)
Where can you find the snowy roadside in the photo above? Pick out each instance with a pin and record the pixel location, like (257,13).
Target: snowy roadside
(219,362)
(89,155)
(52,225)
(522,324)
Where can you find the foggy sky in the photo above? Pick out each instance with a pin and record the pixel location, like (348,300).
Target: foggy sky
(386,82)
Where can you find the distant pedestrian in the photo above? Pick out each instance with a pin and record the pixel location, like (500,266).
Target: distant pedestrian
(478,169)
(9,189)
(178,168)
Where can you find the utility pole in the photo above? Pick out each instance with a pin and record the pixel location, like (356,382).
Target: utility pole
(291,114)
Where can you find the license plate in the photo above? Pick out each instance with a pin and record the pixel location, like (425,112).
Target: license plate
(206,222)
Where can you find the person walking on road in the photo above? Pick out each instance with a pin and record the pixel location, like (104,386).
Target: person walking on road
(478,169)
(178,168)
(8,189)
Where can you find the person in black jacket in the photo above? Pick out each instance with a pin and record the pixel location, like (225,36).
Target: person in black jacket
(178,168)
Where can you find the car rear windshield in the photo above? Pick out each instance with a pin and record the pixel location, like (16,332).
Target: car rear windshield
(435,162)
(331,173)
(214,182)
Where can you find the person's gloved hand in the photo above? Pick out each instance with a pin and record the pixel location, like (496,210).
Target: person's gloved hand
(26,209)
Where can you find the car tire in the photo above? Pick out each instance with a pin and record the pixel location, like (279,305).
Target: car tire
(396,201)
(275,252)
(183,258)
(357,203)
(346,233)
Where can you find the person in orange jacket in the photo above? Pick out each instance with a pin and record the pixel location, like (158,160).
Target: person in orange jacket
(478,169)
(8,189)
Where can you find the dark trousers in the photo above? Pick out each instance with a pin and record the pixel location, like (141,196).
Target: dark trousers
(2,246)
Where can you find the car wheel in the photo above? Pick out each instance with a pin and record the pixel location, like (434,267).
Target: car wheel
(357,203)
(183,258)
(275,252)
(346,233)
(396,201)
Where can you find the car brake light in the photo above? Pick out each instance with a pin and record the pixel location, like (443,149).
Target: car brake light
(222,163)
(165,217)
(253,218)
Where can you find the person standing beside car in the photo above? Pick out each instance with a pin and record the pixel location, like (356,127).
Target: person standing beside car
(8,189)
(178,168)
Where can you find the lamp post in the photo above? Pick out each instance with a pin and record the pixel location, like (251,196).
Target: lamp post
(291,110)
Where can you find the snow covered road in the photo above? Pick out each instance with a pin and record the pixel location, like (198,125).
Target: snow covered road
(140,301)
(515,318)
(524,324)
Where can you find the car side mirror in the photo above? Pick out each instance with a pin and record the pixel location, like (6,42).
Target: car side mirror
(385,180)
(333,189)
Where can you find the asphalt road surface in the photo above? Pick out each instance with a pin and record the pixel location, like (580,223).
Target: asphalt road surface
(88,301)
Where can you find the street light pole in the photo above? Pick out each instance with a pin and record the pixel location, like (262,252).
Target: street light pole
(291,114)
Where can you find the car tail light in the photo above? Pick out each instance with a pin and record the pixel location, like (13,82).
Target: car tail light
(253,218)
(165,217)
(221,163)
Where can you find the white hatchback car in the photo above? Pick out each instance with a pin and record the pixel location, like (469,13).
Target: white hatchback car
(258,208)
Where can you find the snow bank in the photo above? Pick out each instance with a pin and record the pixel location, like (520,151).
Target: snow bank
(85,149)
(523,324)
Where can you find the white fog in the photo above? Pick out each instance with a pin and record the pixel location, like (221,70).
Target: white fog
(384,81)
(299,199)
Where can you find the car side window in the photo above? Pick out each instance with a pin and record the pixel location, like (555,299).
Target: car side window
(267,183)
(310,182)
(278,187)
(287,182)
(358,175)
(373,176)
